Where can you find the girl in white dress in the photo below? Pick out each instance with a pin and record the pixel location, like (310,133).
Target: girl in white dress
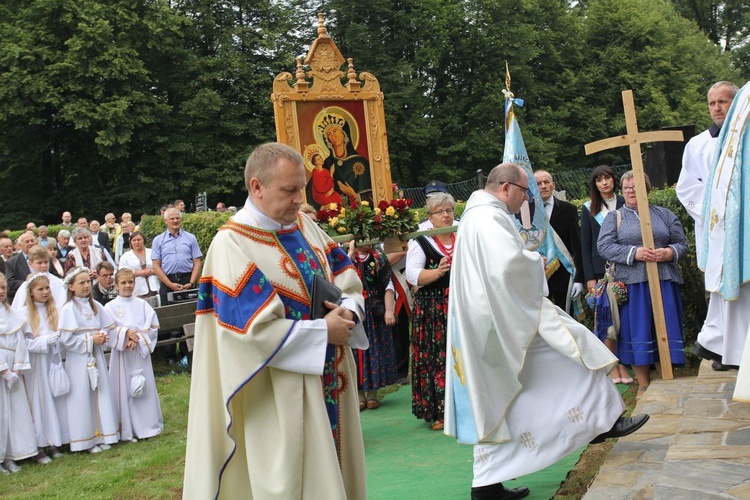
(42,340)
(85,328)
(17,439)
(131,375)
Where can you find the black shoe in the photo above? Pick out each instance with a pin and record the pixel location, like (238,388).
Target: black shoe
(718,367)
(497,492)
(623,427)
(704,353)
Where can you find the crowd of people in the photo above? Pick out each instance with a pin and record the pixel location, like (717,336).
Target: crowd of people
(64,303)
(57,385)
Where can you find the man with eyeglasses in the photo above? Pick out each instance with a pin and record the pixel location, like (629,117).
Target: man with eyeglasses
(564,284)
(104,288)
(505,338)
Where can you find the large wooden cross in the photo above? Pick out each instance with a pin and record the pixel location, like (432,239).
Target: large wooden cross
(634,139)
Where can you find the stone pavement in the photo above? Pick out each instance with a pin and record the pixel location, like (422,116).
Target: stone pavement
(695,446)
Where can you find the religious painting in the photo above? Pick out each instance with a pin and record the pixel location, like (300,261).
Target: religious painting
(334,146)
(337,123)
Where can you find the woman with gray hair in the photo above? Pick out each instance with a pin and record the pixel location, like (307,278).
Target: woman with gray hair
(620,241)
(84,255)
(428,264)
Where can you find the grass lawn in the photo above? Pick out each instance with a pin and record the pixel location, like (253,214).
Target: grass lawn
(147,469)
(153,468)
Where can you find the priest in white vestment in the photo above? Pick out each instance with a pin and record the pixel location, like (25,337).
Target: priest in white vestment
(505,338)
(720,338)
(274,412)
(726,259)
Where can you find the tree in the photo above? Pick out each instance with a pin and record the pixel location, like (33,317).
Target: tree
(127,105)
(646,46)
(726,23)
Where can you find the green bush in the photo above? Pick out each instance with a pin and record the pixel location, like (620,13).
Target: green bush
(203,225)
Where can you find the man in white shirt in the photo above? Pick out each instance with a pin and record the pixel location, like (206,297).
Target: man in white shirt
(697,162)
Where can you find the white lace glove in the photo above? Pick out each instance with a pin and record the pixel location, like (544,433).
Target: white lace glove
(577,290)
(53,338)
(10,379)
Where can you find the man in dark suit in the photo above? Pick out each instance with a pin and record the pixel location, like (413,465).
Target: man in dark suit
(63,241)
(6,252)
(100,238)
(563,218)
(17,268)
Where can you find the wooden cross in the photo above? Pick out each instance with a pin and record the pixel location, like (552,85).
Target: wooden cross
(634,139)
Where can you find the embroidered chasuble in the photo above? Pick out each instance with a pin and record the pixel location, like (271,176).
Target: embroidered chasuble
(266,419)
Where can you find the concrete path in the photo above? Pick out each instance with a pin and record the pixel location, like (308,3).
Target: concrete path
(695,446)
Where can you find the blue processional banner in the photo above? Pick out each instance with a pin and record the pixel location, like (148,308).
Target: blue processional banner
(532,221)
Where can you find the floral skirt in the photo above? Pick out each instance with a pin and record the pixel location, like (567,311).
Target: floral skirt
(428,354)
(637,343)
(376,366)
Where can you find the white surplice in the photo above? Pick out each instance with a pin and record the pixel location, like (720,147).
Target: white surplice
(91,417)
(49,412)
(697,160)
(17,438)
(526,383)
(137,417)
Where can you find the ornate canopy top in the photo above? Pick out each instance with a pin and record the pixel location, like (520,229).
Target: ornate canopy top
(325,74)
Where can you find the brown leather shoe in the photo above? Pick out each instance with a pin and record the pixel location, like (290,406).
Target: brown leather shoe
(372,404)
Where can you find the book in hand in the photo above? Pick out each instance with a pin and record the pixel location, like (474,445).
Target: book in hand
(323,290)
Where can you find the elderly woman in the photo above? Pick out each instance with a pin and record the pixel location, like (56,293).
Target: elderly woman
(84,255)
(622,243)
(138,258)
(428,264)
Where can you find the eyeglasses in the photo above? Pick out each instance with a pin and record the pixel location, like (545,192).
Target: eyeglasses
(519,186)
(445,211)
(628,188)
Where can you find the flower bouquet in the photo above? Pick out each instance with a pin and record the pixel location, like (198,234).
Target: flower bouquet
(387,221)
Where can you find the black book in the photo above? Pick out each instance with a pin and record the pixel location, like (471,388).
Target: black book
(323,290)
